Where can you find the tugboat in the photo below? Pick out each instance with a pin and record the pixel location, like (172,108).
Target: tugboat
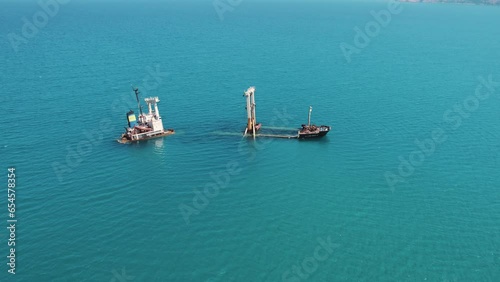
(252,125)
(313,131)
(148,126)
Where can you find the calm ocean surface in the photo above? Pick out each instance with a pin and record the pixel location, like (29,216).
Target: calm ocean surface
(114,213)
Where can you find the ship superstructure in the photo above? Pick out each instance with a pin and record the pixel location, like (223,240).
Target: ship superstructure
(148,125)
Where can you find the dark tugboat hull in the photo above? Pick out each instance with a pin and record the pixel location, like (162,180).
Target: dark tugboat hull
(312,135)
(310,132)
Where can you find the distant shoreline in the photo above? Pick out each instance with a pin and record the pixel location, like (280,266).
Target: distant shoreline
(471,2)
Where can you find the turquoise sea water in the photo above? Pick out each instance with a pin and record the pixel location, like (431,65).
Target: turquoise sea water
(116,215)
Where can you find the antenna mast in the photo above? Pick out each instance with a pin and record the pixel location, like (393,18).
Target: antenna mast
(136,90)
(309,118)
